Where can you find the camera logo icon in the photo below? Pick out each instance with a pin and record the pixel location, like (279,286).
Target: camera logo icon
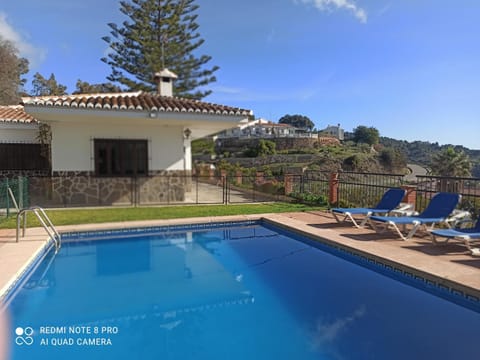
(24,336)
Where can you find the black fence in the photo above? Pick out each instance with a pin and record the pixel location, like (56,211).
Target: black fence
(468,188)
(81,191)
(345,189)
(364,189)
(311,187)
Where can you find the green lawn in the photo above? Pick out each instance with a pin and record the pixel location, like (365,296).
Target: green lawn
(90,216)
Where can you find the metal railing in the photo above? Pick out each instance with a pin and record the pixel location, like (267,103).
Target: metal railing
(468,188)
(354,189)
(44,221)
(361,189)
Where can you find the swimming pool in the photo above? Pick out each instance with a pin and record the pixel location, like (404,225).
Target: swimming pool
(226,291)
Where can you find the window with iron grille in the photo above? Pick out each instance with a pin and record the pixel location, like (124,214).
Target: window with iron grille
(22,157)
(121,157)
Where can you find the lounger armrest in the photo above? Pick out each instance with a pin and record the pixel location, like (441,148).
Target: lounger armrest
(459,217)
(406,210)
(405,207)
(464,224)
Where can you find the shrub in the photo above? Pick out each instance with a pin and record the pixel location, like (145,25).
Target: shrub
(263,148)
(310,198)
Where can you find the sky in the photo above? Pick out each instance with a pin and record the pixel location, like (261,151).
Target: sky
(409,68)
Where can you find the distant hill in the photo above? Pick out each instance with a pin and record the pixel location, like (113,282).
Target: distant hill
(421,152)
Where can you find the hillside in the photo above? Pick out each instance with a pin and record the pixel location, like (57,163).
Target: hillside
(279,154)
(421,152)
(391,157)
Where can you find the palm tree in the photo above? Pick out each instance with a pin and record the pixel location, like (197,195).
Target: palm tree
(451,163)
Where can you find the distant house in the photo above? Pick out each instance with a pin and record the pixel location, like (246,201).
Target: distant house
(335,131)
(259,128)
(101,141)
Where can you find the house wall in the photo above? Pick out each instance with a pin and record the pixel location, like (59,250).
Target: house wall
(73,181)
(73,167)
(72,145)
(18,134)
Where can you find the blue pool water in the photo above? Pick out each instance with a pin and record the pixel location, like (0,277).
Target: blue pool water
(240,292)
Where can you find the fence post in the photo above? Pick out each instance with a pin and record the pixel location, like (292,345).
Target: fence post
(288,183)
(411,195)
(223,182)
(7,197)
(259,177)
(333,188)
(20,192)
(238,177)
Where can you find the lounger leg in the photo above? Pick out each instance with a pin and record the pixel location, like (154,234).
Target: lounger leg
(365,220)
(473,251)
(412,232)
(437,242)
(395,227)
(432,227)
(349,217)
(347,214)
(467,241)
(335,215)
(376,227)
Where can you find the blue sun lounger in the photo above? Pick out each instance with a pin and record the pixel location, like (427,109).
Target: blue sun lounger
(437,211)
(389,201)
(466,235)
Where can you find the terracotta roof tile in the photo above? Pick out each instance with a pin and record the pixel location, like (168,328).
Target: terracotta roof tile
(15,114)
(140,101)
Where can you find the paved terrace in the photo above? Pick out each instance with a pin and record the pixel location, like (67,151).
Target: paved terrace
(451,264)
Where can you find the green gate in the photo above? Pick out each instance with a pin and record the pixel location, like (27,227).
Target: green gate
(13,195)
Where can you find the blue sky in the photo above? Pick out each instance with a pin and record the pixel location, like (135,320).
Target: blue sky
(410,68)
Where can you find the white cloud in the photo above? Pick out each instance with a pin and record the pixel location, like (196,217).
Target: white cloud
(34,54)
(329,5)
(328,332)
(271,36)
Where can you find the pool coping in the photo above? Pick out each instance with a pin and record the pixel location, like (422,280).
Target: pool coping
(436,284)
(288,221)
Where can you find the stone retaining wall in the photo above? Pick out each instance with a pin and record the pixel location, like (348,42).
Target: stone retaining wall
(273,159)
(286,143)
(84,189)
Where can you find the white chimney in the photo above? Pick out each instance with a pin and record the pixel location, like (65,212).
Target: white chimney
(164,81)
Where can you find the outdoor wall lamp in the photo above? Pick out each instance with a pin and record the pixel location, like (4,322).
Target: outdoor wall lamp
(187,132)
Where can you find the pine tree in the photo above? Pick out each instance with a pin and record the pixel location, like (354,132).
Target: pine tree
(46,87)
(84,87)
(159,34)
(11,69)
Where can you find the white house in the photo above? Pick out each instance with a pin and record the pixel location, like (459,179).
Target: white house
(105,140)
(335,131)
(258,128)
